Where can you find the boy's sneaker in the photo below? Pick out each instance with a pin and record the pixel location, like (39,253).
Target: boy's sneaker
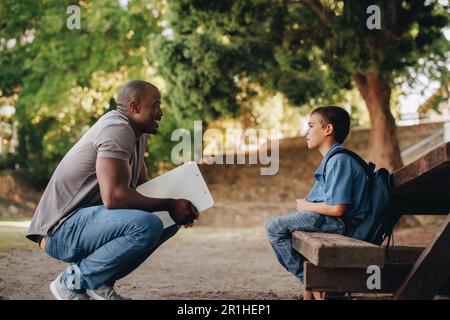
(105,292)
(61,292)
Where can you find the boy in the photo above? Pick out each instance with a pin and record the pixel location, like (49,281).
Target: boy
(341,195)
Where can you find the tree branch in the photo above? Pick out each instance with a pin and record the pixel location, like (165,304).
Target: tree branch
(319,9)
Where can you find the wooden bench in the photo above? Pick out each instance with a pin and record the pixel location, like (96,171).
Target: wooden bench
(339,264)
(336,251)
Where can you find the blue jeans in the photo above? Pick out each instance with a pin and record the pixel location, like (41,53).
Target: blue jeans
(105,245)
(279,229)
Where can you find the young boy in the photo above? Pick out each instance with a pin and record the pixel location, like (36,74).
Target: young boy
(341,195)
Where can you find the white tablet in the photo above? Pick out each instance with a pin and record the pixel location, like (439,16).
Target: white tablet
(183,182)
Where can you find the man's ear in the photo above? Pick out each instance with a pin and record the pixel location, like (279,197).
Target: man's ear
(134,106)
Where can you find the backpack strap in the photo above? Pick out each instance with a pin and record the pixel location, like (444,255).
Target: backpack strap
(368,167)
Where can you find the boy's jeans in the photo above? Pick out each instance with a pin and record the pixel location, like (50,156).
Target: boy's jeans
(105,245)
(279,229)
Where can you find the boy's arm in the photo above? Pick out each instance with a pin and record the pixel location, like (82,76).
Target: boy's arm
(336,210)
(337,188)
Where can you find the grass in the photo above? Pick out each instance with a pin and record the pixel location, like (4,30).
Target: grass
(12,238)
(15,218)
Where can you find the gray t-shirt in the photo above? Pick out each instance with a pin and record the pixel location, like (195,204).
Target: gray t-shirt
(74,183)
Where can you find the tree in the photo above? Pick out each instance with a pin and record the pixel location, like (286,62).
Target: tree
(310,50)
(67,78)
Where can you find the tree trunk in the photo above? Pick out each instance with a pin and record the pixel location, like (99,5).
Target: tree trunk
(383,143)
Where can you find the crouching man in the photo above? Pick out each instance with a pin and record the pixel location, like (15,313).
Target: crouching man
(90,214)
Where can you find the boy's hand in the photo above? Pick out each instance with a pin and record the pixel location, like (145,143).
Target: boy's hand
(302,205)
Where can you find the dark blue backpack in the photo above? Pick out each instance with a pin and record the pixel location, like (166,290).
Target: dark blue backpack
(377,224)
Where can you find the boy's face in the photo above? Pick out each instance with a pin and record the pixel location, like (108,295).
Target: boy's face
(317,133)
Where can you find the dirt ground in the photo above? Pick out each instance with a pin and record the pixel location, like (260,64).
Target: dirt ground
(198,263)
(195,264)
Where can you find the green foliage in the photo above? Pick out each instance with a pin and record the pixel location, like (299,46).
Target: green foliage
(312,51)
(66,79)
(197,85)
(286,46)
(200,51)
(7,161)
(216,43)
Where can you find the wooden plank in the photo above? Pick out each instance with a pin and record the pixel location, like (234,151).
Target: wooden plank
(431,270)
(398,262)
(353,279)
(421,204)
(423,186)
(403,255)
(334,250)
(428,176)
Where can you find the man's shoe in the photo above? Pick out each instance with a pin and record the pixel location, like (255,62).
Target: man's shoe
(105,292)
(61,292)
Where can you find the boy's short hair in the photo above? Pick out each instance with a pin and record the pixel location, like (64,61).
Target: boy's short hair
(338,117)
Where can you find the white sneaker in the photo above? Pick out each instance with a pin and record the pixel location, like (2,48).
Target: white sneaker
(61,292)
(105,292)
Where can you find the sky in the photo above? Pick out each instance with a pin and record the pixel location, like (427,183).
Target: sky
(409,102)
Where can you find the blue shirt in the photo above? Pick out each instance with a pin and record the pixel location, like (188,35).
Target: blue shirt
(345,183)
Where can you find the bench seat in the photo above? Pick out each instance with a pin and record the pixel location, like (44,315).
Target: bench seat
(336,251)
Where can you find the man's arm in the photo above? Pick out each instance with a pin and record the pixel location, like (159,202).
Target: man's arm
(337,210)
(114,177)
(143,174)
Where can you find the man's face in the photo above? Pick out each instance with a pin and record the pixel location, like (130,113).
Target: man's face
(150,113)
(317,132)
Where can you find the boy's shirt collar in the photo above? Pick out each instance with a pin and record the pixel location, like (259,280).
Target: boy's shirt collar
(319,171)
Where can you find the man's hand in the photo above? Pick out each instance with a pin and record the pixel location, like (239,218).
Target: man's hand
(183,212)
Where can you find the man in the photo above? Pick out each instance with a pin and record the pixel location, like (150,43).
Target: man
(339,193)
(90,214)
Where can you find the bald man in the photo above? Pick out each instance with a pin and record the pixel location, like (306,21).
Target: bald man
(91,215)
